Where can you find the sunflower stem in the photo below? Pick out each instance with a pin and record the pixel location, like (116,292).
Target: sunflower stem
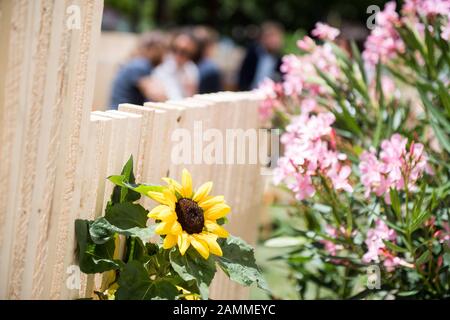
(132,244)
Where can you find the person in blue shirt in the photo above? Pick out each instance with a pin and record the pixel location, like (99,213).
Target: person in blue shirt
(210,77)
(263,59)
(133,83)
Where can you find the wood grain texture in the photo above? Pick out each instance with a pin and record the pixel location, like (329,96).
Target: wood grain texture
(46,80)
(56,153)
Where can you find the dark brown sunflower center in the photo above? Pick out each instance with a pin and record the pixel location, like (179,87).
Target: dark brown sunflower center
(190,215)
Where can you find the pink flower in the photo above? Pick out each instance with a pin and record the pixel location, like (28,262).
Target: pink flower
(426,8)
(370,169)
(384,42)
(308,105)
(306,44)
(340,179)
(303,187)
(395,163)
(329,246)
(299,72)
(387,86)
(444,234)
(390,261)
(325,32)
(271,93)
(310,151)
(376,249)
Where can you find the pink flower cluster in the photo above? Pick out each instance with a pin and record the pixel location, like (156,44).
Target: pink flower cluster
(395,166)
(329,246)
(271,93)
(300,73)
(376,248)
(384,42)
(306,44)
(310,150)
(325,32)
(426,8)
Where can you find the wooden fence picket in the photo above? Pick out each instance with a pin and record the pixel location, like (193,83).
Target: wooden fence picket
(56,153)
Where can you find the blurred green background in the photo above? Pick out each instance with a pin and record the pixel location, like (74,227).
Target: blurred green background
(236,18)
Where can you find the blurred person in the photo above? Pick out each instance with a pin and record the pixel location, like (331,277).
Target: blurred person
(132,83)
(210,77)
(178,74)
(263,59)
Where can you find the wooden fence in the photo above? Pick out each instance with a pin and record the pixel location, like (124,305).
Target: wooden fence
(55,153)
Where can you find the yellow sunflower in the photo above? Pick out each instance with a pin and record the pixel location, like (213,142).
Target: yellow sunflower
(189,218)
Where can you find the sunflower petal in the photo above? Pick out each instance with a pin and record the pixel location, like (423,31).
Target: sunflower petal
(201,247)
(218,211)
(154,213)
(167,215)
(164,227)
(213,227)
(169,241)
(176,228)
(184,242)
(173,183)
(211,240)
(186,182)
(157,196)
(170,197)
(203,191)
(211,201)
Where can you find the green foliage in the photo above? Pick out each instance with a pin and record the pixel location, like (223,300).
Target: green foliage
(332,265)
(145,270)
(94,257)
(135,284)
(192,266)
(226,15)
(238,262)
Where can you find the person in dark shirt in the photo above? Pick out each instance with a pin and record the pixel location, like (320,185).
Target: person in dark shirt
(263,59)
(210,77)
(132,83)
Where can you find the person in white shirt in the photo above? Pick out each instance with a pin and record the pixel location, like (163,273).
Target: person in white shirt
(178,74)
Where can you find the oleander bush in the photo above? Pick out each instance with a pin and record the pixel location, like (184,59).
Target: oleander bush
(366,150)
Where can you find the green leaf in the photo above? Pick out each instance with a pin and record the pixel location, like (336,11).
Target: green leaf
(441,136)
(126,215)
(126,189)
(446,259)
(434,112)
(93,257)
(394,247)
(444,97)
(357,56)
(101,230)
(120,181)
(192,266)
(419,220)
(121,193)
(423,258)
(135,284)
(281,242)
(395,203)
(238,262)
(407,293)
